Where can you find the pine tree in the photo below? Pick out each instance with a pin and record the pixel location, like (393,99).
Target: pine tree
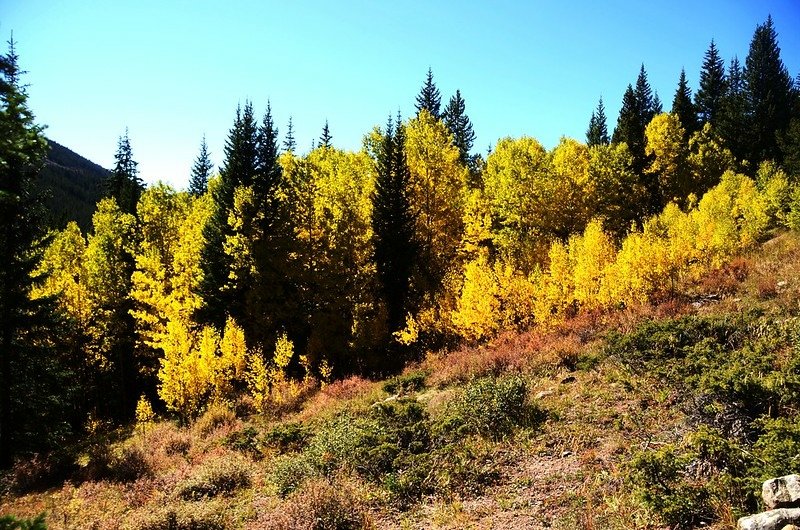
(222,295)
(657,108)
(201,171)
(456,119)
(646,105)
(289,143)
(708,99)
(683,107)
(629,128)
(124,183)
(732,118)
(33,376)
(393,224)
(325,138)
(597,134)
(768,88)
(429,97)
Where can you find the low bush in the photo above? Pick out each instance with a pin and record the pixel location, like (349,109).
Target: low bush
(491,407)
(406,383)
(246,441)
(215,416)
(287,437)
(221,476)
(9,522)
(322,505)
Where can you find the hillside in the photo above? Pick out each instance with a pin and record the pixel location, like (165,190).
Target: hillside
(72,186)
(665,415)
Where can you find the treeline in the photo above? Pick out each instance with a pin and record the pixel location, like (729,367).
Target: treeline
(289,268)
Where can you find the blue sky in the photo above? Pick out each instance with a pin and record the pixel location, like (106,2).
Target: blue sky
(171,71)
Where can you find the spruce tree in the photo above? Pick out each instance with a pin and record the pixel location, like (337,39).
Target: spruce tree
(289,143)
(646,105)
(629,128)
(221,295)
(201,171)
(768,88)
(683,107)
(597,134)
(732,118)
(657,108)
(708,99)
(393,224)
(457,121)
(124,183)
(34,378)
(429,97)
(326,138)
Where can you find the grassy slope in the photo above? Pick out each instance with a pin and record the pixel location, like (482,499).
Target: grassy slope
(566,464)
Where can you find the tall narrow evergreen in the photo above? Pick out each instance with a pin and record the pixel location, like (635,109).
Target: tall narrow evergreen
(657,107)
(326,138)
(220,294)
(289,143)
(201,171)
(683,107)
(429,97)
(768,87)
(597,134)
(457,121)
(33,377)
(647,106)
(393,225)
(732,118)
(268,171)
(124,183)
(712,86)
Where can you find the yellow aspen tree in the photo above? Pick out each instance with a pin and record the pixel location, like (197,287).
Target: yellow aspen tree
(437,185)
(591,253)
(477,314)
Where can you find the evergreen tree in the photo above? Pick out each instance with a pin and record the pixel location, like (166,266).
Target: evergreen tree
(708,99)
(768,88)
(683,107)
(325,138)
(393,224)
(33,375)
(429,97)
(268,171)
(201,171)
(597,134)
(222,295)
(732,116)
(289,143)
(658,108)
(124,183)
(456,119)
(646,105)
(629,127)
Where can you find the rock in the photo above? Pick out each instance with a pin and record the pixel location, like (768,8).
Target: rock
(771,520)
(790,527)
(782,492)
(543,394)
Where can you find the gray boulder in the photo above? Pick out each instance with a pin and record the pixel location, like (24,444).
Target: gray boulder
(782,492)
(771,520)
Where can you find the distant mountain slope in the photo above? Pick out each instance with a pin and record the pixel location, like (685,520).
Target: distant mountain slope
(72,186)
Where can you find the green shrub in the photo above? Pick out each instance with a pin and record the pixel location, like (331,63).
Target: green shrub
(218,477)
(287,437)
(322,505)
(9,522)
(171,521)
(289,472)
(245,440)
(662,482)
(491,407)
(406,383)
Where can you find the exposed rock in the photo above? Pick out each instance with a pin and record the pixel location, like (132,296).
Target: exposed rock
(782,492)
(771,520)
(543,394)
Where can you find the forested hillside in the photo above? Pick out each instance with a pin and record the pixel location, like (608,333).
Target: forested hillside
(71,185)
(251,312)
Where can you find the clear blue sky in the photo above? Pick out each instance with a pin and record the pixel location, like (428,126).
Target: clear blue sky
(171,71)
